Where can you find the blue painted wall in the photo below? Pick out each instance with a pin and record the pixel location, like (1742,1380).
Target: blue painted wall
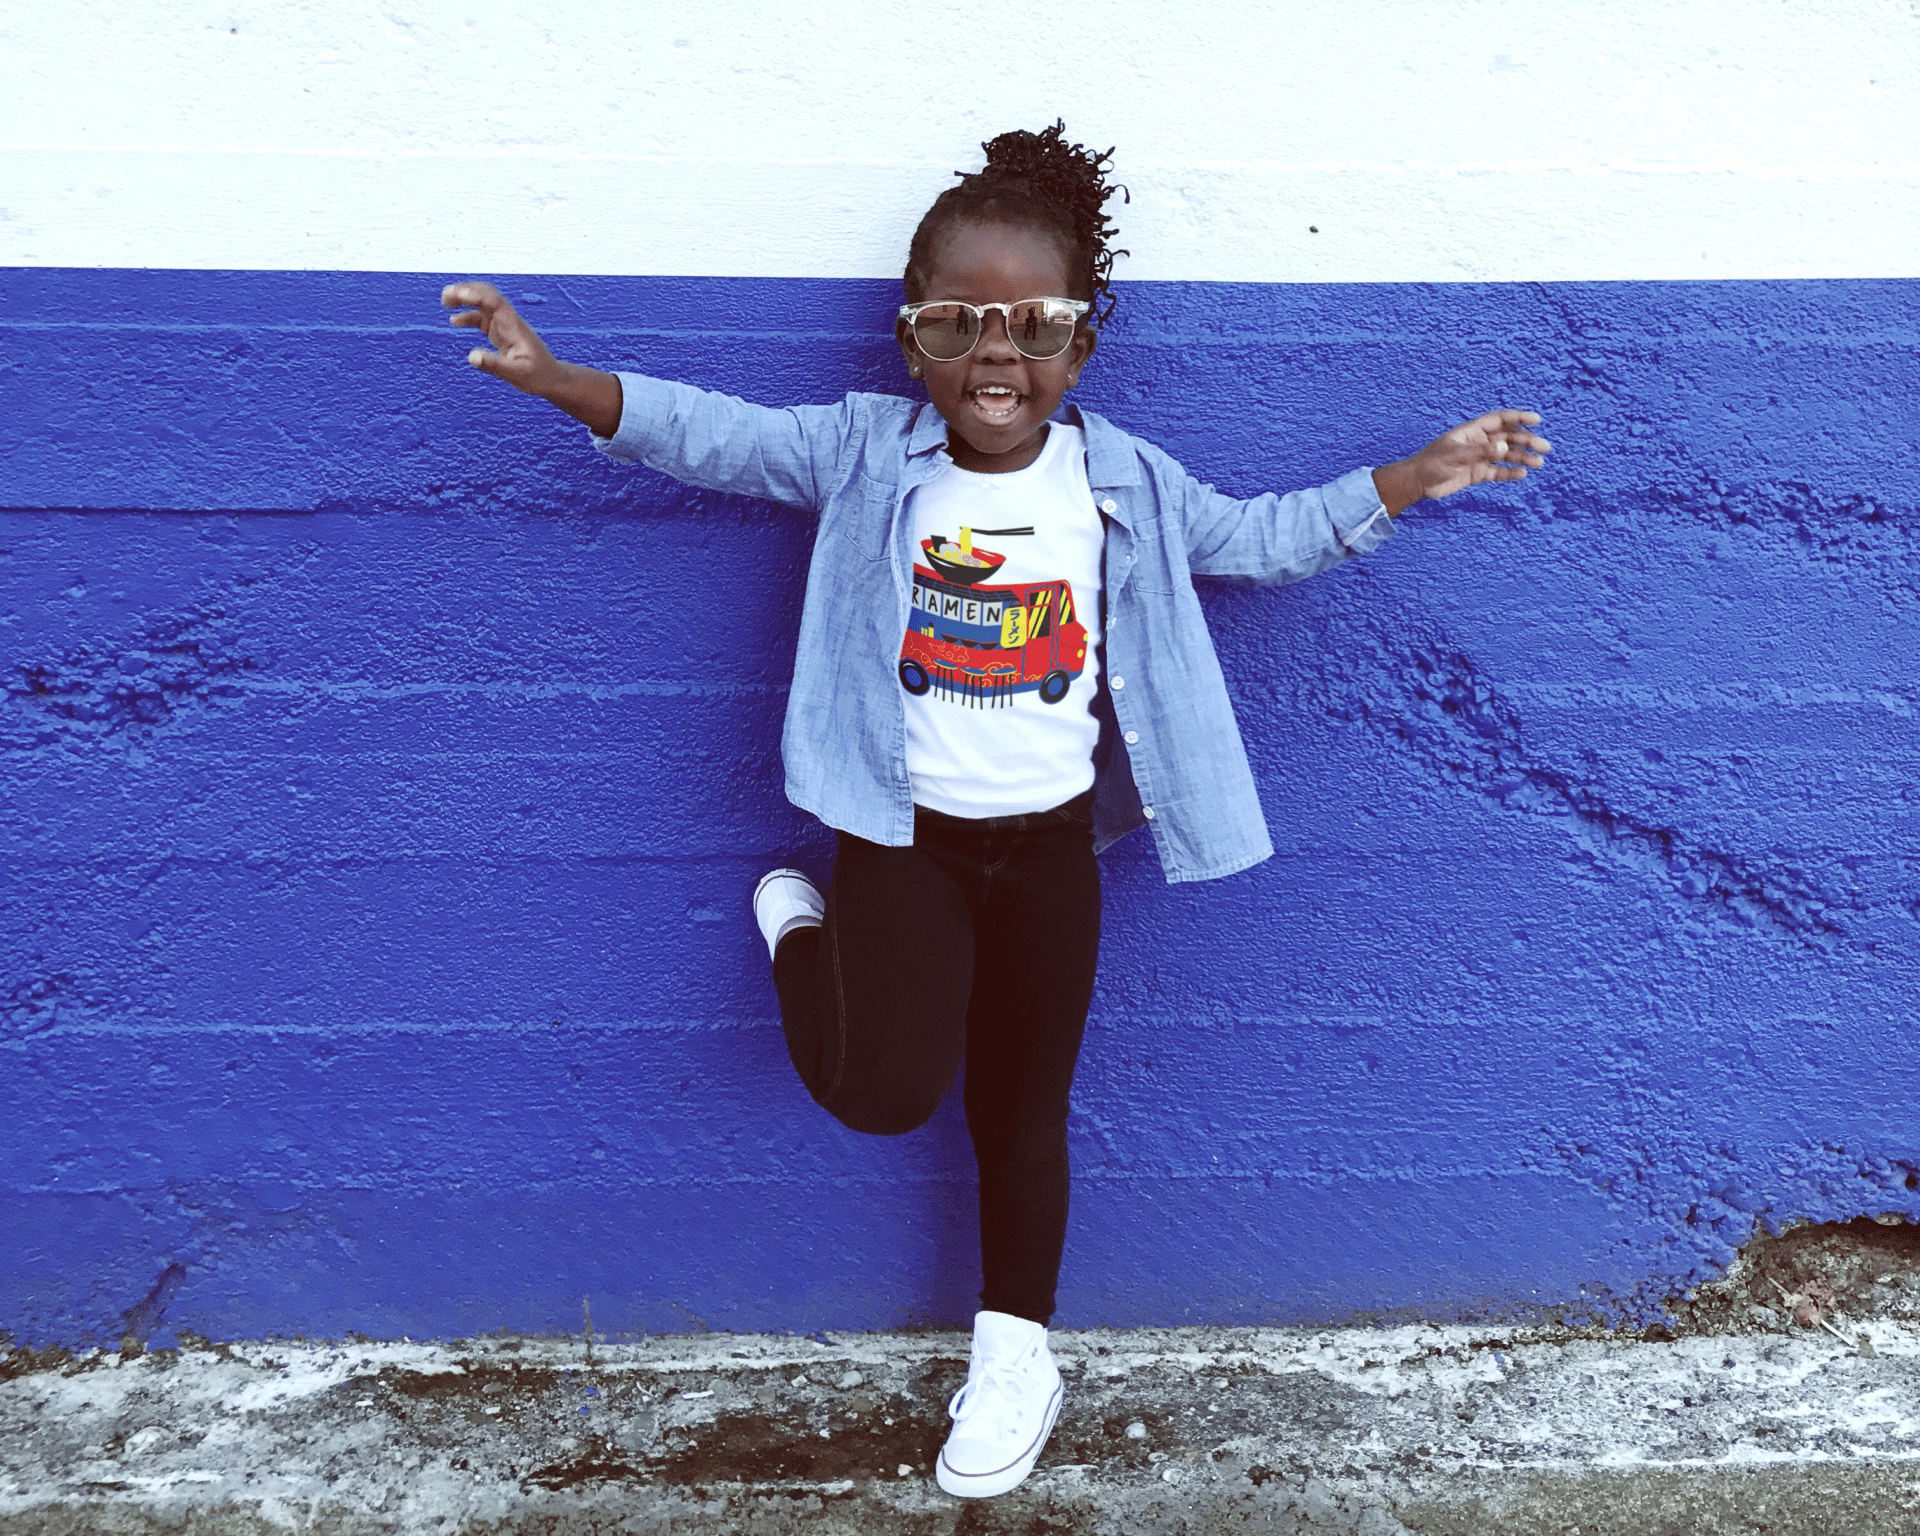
(382,775)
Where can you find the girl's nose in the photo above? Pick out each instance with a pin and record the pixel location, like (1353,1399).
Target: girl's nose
(995,339)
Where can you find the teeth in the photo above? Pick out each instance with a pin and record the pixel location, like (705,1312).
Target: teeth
(996,399)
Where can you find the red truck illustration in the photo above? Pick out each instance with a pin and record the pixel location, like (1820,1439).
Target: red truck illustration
(979,644)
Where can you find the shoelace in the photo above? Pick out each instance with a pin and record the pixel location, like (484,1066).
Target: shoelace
(993,1393)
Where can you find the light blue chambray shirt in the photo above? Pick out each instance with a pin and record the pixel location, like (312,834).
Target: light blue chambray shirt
(1169,755)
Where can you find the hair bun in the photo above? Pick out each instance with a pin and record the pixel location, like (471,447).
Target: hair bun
(1041,177)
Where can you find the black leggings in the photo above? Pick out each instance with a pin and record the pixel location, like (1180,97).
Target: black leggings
(977,942)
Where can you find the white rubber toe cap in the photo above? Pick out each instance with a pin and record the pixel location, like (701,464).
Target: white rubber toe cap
(972,1468)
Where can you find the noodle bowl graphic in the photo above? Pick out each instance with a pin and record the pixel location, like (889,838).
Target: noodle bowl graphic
(972,566)
(983,644)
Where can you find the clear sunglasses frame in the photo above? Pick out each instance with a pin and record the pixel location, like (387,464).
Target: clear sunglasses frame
(1077,308)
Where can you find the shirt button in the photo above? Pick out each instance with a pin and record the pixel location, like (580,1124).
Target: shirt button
(1119,682)
(1107,506)
(1147,811)
(1132,737)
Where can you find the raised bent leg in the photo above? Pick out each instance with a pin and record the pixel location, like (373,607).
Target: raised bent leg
(874,1002)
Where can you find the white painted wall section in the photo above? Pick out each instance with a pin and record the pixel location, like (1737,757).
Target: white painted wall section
(1424,140)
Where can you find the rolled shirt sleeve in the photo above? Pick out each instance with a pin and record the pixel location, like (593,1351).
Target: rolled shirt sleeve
(1274,539)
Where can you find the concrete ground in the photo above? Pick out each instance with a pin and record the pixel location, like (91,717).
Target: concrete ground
(1370,1431)
(1802,1417)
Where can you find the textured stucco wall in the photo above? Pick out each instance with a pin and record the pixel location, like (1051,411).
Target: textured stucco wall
(382,773)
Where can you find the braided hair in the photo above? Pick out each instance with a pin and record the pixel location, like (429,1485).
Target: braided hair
(1041,182)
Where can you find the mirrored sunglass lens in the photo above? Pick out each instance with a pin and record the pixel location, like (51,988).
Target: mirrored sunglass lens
(1040,328)
(946,330)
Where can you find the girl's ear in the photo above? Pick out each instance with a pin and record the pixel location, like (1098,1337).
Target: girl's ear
(909,349)
(1083,344)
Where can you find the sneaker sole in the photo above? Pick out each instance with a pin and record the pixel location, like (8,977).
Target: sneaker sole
(986,1485)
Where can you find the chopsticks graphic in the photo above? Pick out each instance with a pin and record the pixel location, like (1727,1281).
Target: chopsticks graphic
(999,533)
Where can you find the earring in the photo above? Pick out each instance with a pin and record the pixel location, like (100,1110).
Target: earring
(914,371)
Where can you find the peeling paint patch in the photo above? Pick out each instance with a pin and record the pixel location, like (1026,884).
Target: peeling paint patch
(1720,1212)
(1836,1273)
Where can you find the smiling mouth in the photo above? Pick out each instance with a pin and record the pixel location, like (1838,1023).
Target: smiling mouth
(996,402)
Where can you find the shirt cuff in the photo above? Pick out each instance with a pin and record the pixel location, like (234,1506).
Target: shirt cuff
(643,401)
(1359,516)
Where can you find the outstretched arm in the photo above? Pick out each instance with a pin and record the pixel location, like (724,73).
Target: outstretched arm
(698,436)
(521,358)
(1276,539)
(1495,446)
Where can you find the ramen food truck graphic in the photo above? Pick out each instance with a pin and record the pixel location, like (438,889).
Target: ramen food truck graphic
(977,643)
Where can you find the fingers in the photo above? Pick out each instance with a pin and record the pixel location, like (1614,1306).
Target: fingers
(1516,438)
(490,307)
(1493,446)
(456,294)
(1508,439)
(1520,452)
(494,318)
(1489,428)
(517,354)
(1509,426)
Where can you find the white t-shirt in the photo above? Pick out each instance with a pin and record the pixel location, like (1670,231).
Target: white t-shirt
(999,661)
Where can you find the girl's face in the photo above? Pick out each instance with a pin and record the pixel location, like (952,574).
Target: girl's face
(996,400)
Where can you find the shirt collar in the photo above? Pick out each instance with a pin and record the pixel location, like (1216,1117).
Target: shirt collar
(929,431)
(1111,461)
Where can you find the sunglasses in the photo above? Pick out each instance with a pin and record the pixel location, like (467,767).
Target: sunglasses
(947,330)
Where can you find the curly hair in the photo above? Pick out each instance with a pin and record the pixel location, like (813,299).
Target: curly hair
(1041,182)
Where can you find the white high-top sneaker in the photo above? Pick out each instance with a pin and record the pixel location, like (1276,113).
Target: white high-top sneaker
(1003,1415)
(785,900)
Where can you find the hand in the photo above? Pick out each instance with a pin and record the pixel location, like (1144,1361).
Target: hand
(521,358)
(1496,446)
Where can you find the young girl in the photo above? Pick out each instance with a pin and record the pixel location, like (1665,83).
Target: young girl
(1002,668)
